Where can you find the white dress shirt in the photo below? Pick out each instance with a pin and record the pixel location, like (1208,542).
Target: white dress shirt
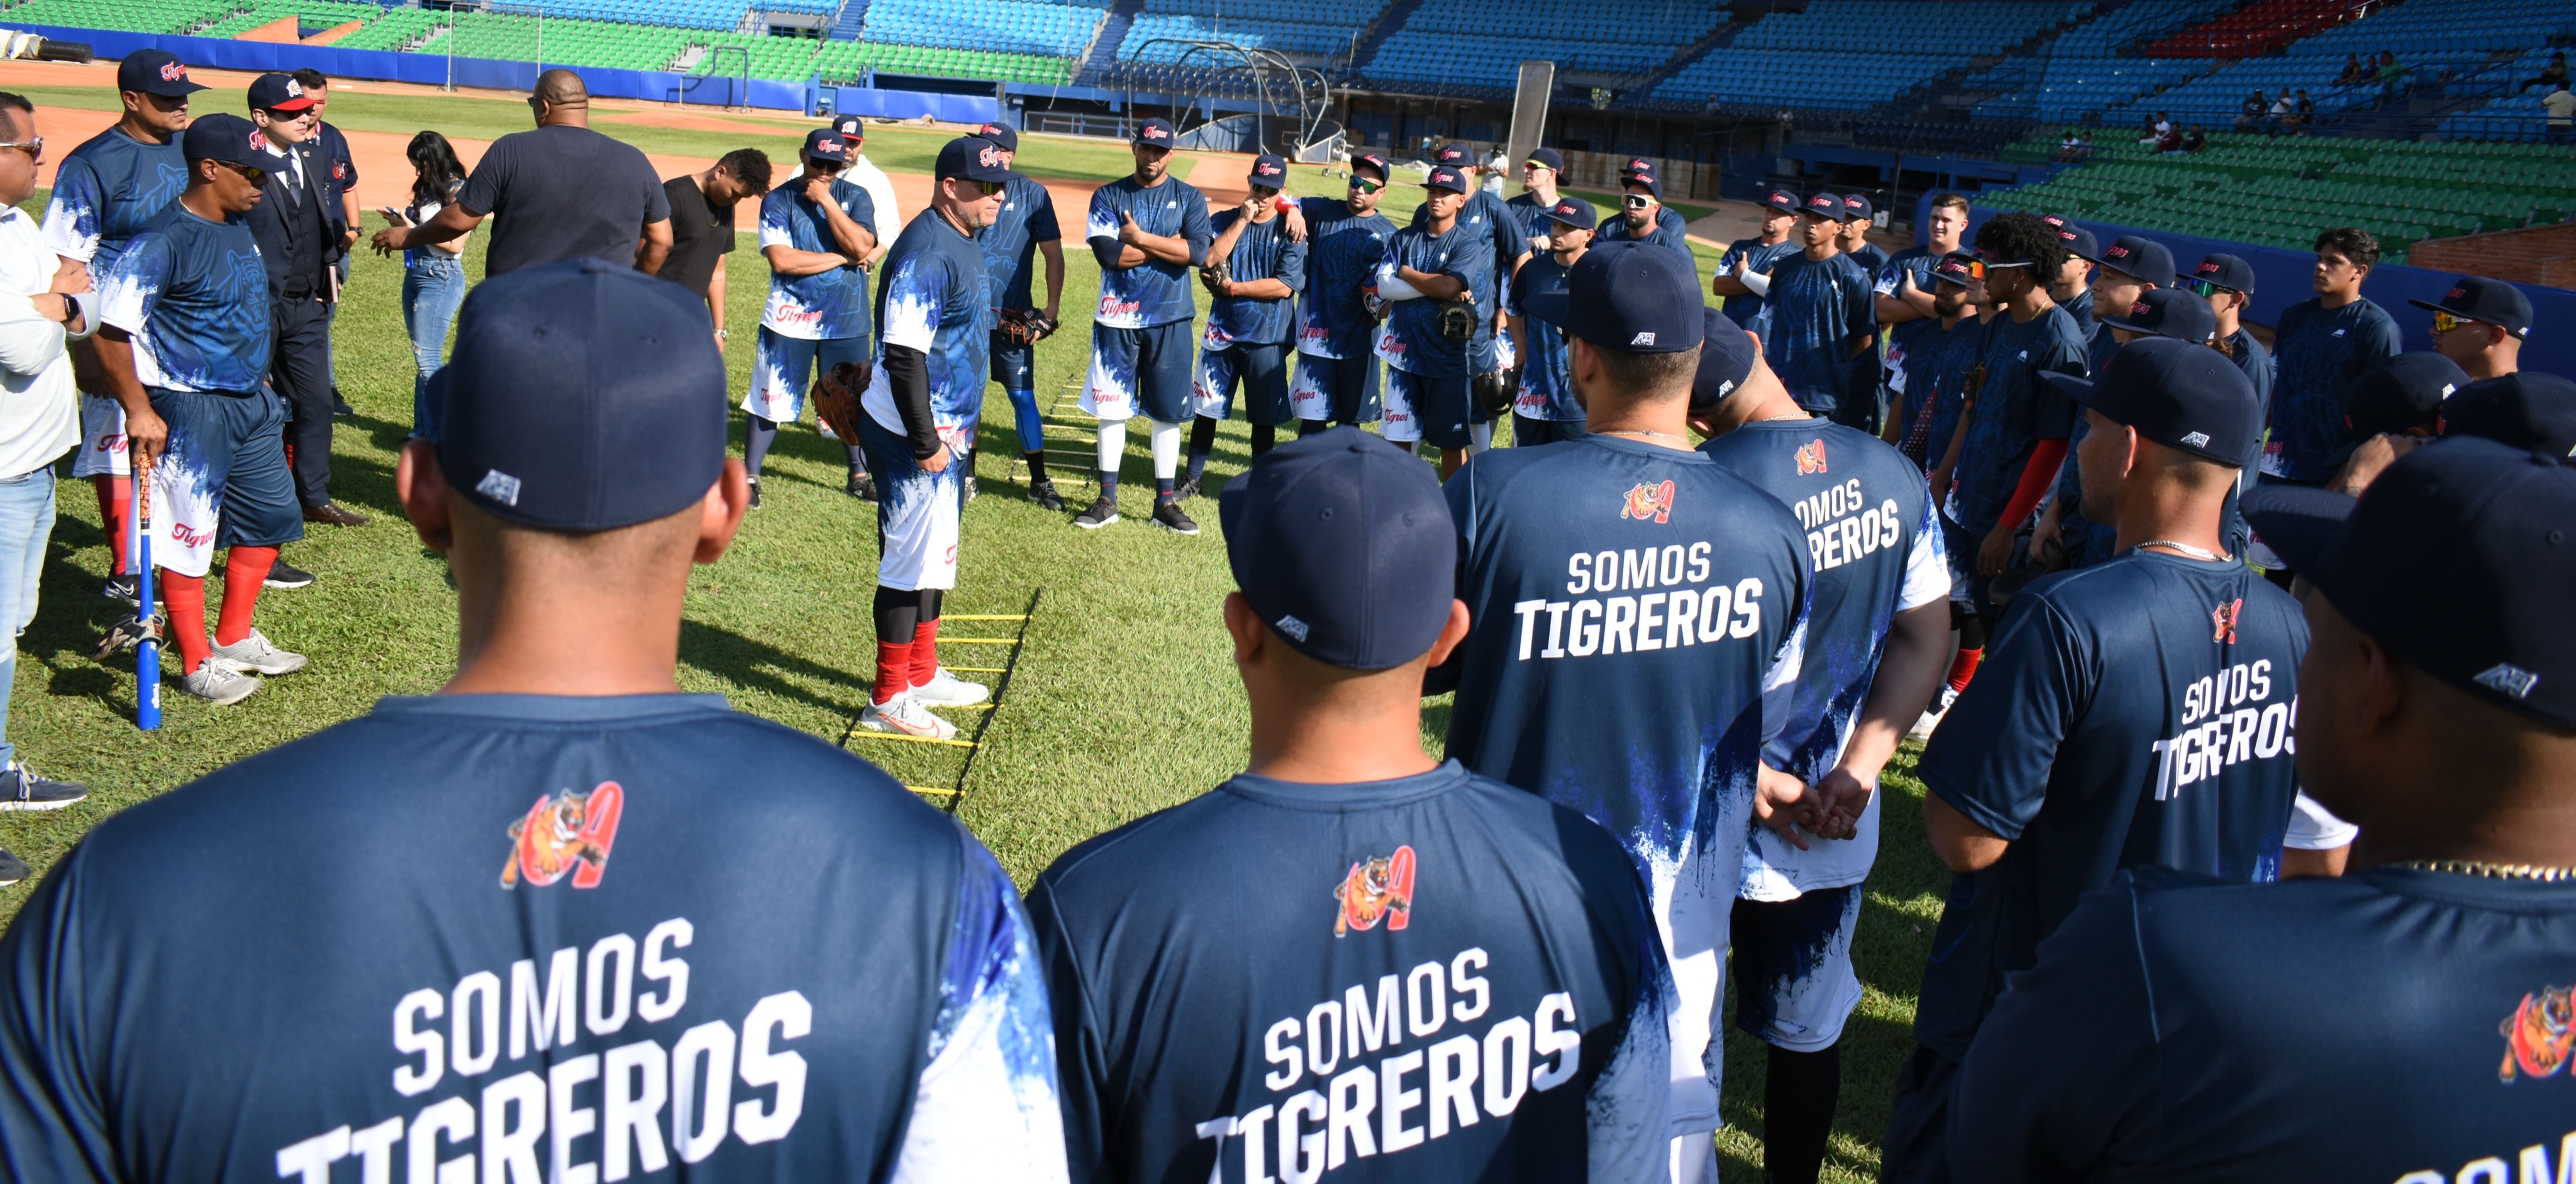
(39,413)
(889,216)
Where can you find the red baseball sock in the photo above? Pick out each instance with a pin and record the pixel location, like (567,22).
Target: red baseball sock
(1964,667)
(925,652)
(186,598)
(894,670)
(116,511)
(245,570)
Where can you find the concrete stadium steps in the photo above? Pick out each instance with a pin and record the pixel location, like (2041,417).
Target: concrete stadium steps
(1387,24)
(1103,51)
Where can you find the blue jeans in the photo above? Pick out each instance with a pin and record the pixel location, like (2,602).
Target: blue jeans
(433,287)
(26,522)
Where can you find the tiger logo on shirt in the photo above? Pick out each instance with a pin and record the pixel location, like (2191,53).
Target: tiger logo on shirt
(1376,889)
(2540,1033)
(1649,501)
(565,832)
(1811,458)
(2225,617)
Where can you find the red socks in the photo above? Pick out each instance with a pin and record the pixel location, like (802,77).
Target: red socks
(186,598)
(1964,667)
(245,571)
(925,652)
(894,670)
(116,512)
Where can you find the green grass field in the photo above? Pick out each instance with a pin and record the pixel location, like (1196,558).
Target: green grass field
(1124,702)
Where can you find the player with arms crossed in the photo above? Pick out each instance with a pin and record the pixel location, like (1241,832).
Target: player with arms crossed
(1429,278)
(924,400)
(1632,604)
(2135,712)
(1743,277)
(2173,1028)
(1254,271)
(1878,638)
(1382,967)
(817,230)
(1490,360)
(105,192)
(1337,371)
(579,949)
(1545,410)
(1022,229)
(1147,230)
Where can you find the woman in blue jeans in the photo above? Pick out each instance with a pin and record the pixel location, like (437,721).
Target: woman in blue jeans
(433,276)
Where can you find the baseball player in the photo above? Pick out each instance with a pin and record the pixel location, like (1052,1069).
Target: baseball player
(1904,293)
(865,174)
(1630,602)
(1429,278)
(924,400)
(2062,528)
(2070,760)
(1821,333)
(1545,410)
(1859,217)
(1878,638)
(2130,267)
(1935,356)
(1535,206)
(1376,965)
(184,339)
(1346,237)
(1489,357)
(2451,736)
(817,231)
(1148,230)
(2072,289)
(2480,323)
(1253,274)
(1744,271)
(1023,228)
(1642,216)
(2320,347)
(2526,409)
(2397,406)
(105,192)
(823,979)
(2227,282)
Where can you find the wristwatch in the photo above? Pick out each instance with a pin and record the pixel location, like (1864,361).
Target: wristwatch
(722,336)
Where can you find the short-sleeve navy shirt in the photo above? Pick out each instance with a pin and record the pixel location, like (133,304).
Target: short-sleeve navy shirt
(1342,249)
(2012,410)
(1818,308)
(1152,292)
(1010,242)
(1262,252)
(2318,351)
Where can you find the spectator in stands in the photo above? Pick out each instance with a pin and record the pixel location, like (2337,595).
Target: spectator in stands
(1536,205)
(2552,76)
(2283,113)
(2195,143)
(563,192)
(2250,112)
(2153,130)
(2354,73)
(702,230)
(2561,107)
(2480,324)
(344,172)
(2305,112)
(2389,74)
(2323,346)
(2068,147)
(866,175)
(2164,125)
(1744,271)
(433,275)
(2084,151)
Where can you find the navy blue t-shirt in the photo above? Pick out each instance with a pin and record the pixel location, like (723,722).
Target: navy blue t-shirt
(1758,256)
(105,192)
(1413,342)
(1909,268)
(1484,216)
(2320,351)
(512,931)
(1872,258)
(2081,308)
(1819,307)
(1432,978)
(1532,215)
(1547,375)
(2136,712)
(1152,292)
(1010,241)
(193,294)
(1668,231)
(1342,249)
(2392,1025)
(1262,252)
(1935,362)
(2012,410)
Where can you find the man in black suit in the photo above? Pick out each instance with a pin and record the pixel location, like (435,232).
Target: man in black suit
(300,227)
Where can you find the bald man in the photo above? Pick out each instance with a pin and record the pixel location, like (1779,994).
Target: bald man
(563,192)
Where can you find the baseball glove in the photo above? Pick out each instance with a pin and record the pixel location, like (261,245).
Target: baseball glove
(1216,277)
(1024,326)
(836,398)
(1458,322)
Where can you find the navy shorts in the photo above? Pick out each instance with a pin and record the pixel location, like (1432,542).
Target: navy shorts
(1261,369)
(1527,432)
(1426,408)
(1141,372)
(1014,365)
(222,481)
(1343,390)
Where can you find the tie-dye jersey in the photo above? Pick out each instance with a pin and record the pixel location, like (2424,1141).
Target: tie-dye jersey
(194,296)
(578,943)
(105,192)
(1153,292)
(935,295)
(1413,342)
(1818,308)
(1010,243)
(827,305)
(1758,257)
(1262,252)
(1873,550)
(1547,379)
(1486,216)
(1342,249)
(2320,351)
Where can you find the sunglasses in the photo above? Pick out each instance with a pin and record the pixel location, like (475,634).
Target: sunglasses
(2208,289)
(248,172)
(2444,322)
(1365,185)
(1264,192)
(991,188)
(34,147)
(1635,201)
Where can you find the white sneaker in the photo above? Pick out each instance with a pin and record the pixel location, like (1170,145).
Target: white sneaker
(1922,729)
(948,690)
(905,715)
(256,655)
(216,684)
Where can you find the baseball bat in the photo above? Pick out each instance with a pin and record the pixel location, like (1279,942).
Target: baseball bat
(147,652)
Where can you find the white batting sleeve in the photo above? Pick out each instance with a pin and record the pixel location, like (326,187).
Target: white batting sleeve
(1391,285)
(2314,828)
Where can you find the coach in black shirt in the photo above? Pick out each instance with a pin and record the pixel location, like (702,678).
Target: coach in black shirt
(562,192)
(702,232)
(299,226)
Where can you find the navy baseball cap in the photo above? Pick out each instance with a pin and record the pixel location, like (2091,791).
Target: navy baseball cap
(1827,206)
(1957,267)
(582,396)
(2524,410)
(1781,200)
(155,72)
(1373,160)
(2169,312)
(2184,396)
(1856,206)
(1628,295)
(2399,393)
(278,92)
(1002,134)
(823,143)
(1343,545)
(1457,154)
(1645,181)
(2225,271)
(1573,211)
(1726,357)
(1156,132)
(2079,242)
(1637,166)
(2487,301)
(1547,158)
(2460,558)
(227,137)
(854,128)
(2139,258)
(971,158)
(1446,177)
(1269,172)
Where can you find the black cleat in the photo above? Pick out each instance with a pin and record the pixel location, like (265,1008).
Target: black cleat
(1169,516)
(1101,513)
(862,487)
(1042,491)
(1186,490)
(123,590)
(339,406)
(12,869)
(755,493)
(282,574)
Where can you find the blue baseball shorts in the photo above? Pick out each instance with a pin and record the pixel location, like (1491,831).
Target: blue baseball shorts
(222,481)
(1343,390)
(1262,371)
(1140,372)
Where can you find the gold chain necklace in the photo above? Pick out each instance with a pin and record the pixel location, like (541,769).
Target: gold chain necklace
(2491,871)
(1642,432)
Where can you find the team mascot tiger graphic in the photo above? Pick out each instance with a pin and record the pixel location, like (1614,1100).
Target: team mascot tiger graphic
(565,832)
(2539,1034)
(1374,889)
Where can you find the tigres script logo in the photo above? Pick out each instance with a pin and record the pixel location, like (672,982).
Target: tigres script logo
(2225,617)
(2539,1034)
(1649,501)
(1374,889)
(1811,458)
(565,832)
